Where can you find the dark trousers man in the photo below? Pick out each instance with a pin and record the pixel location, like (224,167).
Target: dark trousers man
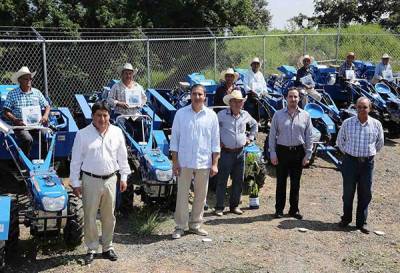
(289,163)
(357,174)
(231,163)
(26,139)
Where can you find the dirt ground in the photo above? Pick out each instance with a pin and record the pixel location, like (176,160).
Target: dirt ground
(255,241)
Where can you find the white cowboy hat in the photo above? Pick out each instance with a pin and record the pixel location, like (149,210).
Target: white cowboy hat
(128,66)
(351,54)
(236,94)
(229,71)
(256,60)
(385,56)
(306,57)
(23,71)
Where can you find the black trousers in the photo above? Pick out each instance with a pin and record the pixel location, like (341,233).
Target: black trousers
(289,164)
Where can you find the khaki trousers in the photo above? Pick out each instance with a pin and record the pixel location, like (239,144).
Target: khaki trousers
(182,200)
(98,193)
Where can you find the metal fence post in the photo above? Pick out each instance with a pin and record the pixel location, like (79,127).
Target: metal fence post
(338,40)
(215,58)
(264,57)
(148,64)
(40,37)
(305,45)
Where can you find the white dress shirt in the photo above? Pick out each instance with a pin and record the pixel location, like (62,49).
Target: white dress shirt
(99,154)
(195,136)
(118,94)
(254,81)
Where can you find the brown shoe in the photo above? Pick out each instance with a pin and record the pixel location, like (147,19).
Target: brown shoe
(237,211)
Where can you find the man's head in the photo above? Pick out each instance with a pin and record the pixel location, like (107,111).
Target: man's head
(198,96)
(235,101)
(293,98)
(306,60)
(101,115)
(23,77)
(255,64)
(363,106)
(230,76)
(127,73)
(350,57)
(385,59)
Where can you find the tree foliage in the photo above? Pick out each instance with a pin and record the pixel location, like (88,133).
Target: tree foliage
(141,13)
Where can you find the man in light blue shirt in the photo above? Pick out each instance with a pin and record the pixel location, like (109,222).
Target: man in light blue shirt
(383,71)
(195,152)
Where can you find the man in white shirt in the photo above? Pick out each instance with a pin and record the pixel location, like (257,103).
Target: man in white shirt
(99,152)
(195,152)
(254,85)
(383,70)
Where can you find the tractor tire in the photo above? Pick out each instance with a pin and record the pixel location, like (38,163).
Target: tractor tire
(9,247)
(10,183)
(73,230)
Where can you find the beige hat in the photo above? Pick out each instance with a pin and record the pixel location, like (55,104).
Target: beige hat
(128,66)
(236,94)
(256,60)
(350,54)
(385,56)
(23,71)
(308,57)
(229,71)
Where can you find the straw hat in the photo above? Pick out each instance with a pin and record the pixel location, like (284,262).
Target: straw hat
(229,71)
(385,56)
(306,57)
(351,54)
(128,66)
(23,71)
(236,94)
(256,60)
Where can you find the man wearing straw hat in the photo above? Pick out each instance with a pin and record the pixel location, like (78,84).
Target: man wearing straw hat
(229,77)
(22,100)
(304,79)
(347,66)
(254,85)
(232,123)
(383,71)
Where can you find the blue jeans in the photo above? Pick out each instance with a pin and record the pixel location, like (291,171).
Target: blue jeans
(230,164)
(357,174)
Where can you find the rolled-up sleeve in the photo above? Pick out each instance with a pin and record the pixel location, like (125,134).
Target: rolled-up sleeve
(246,82)
(122,158)
(215,137)
(76,161)
(175,134)
(341,138)
(112,96)
(380,140)
(253,127)
(272,136)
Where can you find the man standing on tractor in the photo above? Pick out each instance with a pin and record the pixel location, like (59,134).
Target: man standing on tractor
(195,152)
(99,152)
(232,122)
(229,77)
(254,85)
(290,146)
(359,138)
(347,74)
(23,107)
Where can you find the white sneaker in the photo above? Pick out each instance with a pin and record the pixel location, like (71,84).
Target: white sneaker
(178,233)
(198,231)
(219,212)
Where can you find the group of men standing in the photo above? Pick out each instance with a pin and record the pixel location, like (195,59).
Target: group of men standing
(205,144)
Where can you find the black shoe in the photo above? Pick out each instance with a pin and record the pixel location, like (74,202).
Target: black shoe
(296,215)
(364,229)
(278,215)
(343,224)
(110,255)
(89,258)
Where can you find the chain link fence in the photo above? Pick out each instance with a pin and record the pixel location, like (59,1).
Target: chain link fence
(68,67)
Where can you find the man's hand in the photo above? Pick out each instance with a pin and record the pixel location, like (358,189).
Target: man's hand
(248,141)
(306,162)
(44,120)
(18,122)
(213,170)
(274,161)
(176,169)
(123,104)
(123,185)
(77,191)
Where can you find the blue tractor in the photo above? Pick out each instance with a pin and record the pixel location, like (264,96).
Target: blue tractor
(148,151)
(33,182)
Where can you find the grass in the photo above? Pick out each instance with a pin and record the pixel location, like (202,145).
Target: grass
(146,221)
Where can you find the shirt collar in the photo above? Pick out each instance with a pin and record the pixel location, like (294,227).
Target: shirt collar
(229,112)
(297,109)
(203,108)
(20,90)
(365,123)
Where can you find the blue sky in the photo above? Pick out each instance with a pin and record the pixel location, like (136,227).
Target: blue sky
(282,10)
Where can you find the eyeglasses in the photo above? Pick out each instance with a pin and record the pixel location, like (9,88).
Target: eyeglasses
(362,107)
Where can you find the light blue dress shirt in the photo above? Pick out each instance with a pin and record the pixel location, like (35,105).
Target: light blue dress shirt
(195,136)
(380,68)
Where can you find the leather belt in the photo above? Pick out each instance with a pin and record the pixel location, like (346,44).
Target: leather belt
(229,150)
(291,148)
(104,177)
(361,159)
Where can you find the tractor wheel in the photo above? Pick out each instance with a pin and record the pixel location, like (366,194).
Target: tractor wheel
(73,230)
(8,247)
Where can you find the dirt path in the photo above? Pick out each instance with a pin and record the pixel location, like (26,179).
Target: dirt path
(255,242)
